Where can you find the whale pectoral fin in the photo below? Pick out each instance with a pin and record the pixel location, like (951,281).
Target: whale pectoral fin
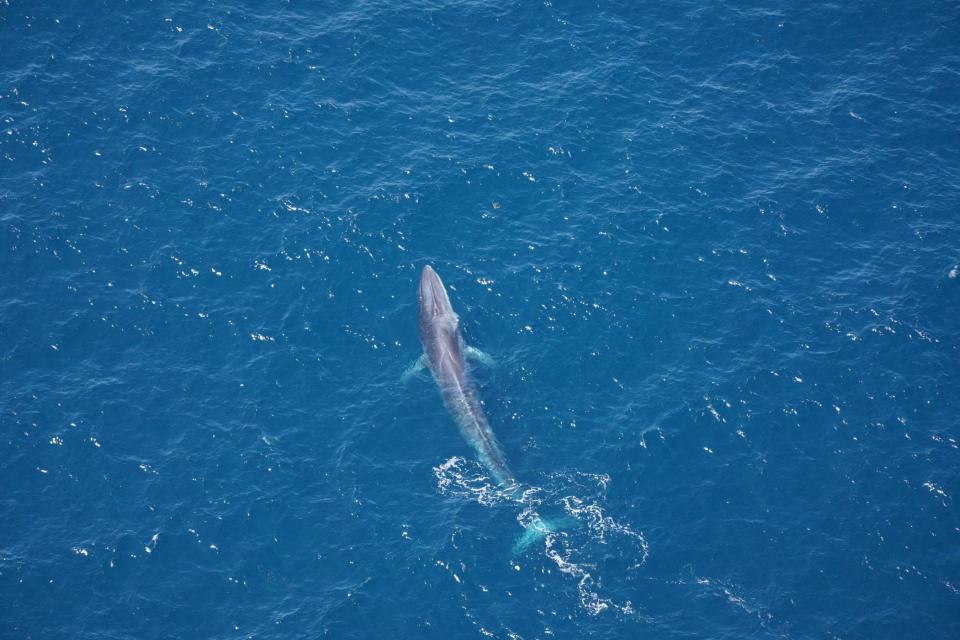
(419,365)
(475,354)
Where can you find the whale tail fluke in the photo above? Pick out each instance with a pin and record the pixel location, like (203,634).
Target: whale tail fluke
(537,529)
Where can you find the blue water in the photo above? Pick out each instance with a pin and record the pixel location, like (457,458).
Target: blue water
(713,250)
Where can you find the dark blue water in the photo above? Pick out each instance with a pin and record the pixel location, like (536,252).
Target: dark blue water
(713,250)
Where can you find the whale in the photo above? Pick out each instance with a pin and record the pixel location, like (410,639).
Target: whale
(445,354)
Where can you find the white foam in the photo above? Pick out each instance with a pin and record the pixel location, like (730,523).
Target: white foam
(568,547)
(466,479)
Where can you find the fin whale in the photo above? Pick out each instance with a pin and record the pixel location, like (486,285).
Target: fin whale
(445,353)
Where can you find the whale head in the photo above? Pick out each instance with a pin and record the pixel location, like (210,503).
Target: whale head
(438,320)
(433,298)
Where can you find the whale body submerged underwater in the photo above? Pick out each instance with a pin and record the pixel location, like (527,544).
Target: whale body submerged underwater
(445,353)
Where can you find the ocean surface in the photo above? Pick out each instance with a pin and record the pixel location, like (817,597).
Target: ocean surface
(713,250)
